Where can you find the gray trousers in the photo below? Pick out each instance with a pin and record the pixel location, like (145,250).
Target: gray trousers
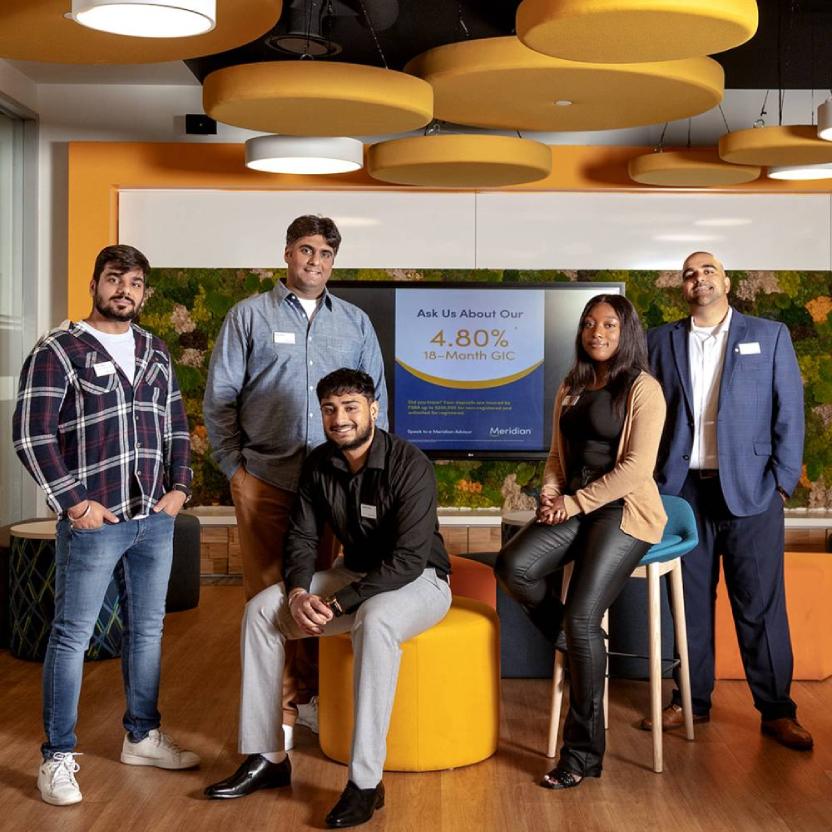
(378,628)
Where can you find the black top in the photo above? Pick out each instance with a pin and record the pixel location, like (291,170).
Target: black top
(384,515)
(592,431)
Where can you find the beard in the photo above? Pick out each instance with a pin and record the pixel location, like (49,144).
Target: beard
(361,437)
(110,313)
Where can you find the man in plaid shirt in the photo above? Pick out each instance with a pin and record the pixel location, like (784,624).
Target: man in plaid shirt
(101,427)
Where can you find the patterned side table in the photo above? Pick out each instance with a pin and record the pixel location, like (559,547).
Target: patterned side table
(32,597)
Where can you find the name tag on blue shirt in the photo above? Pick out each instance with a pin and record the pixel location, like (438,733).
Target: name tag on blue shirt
(749,348)
(284,337)
(104,368)
(369,512)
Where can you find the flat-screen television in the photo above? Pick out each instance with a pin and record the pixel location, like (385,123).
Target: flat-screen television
(472,368)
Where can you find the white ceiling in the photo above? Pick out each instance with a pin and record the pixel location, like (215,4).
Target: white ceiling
(173,73)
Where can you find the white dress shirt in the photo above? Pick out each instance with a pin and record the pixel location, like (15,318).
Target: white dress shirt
(706,352)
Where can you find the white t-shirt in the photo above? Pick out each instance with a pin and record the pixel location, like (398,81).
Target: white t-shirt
(122,347)
(309,305)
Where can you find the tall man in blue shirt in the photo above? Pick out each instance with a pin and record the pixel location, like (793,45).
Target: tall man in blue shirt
(101,427)
(262,414)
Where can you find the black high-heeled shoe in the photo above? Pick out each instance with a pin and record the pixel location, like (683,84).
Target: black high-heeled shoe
(561,778)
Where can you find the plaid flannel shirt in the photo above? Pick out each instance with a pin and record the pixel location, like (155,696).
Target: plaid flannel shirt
(82,435)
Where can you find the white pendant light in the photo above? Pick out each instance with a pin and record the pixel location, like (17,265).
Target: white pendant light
(293,154)
(796,173)
(147,18)
(825,120)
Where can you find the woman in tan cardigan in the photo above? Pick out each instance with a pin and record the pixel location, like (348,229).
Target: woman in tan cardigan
(599,507)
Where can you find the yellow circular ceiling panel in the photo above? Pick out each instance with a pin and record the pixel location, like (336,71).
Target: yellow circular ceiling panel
(622,31)
(311,98)
(455,161)
(499,83)
(796,144)
(36,30)
(692,168)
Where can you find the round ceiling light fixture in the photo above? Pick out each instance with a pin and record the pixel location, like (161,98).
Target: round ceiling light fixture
(304,154)
(459,161)
(781,146)
(147,18)
(825,120)
(690,168)
(296,98)
(498,83)
(800,173)
(629,31)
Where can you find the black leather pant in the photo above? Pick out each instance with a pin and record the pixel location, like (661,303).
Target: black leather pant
(604,557)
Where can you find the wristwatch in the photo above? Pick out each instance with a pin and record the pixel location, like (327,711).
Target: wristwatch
(334,605)
(184,489)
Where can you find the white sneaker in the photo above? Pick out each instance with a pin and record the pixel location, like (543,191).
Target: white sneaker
(288,737)
(157,749)
(308,715)
(56,780)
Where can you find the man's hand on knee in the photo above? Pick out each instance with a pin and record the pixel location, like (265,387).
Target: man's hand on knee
(309,612)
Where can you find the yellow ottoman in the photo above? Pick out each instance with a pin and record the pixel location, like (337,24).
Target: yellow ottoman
(447,707)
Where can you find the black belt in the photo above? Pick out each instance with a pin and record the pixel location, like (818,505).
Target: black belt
(705,473)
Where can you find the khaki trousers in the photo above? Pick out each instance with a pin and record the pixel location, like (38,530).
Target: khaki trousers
(263,512)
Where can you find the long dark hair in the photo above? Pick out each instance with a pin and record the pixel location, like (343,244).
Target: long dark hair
(629,360)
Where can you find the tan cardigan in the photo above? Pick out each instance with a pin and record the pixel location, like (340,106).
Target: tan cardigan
(632,476)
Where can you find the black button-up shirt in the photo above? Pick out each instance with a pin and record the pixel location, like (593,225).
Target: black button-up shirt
(384,515)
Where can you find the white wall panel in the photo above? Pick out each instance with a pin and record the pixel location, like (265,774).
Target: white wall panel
(235,229)
(652,231)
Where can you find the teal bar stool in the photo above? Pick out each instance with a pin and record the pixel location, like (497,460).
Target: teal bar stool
(665,557)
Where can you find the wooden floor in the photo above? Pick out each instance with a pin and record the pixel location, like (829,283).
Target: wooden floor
(731,778)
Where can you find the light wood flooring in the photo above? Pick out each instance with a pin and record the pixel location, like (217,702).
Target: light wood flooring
(731,778)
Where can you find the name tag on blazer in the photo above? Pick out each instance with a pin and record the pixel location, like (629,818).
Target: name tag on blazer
(369,512)
(749,348)
(284,337)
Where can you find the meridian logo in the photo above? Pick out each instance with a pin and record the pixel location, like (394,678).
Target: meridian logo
(510,431)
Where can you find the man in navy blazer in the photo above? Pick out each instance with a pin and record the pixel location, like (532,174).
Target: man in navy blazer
(732,446)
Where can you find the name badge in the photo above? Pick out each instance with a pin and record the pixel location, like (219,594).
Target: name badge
(284,337)
(104,368)
(569,401)
(369,512)
(749,348)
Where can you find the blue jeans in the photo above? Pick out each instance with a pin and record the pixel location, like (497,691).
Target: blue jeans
(140,553)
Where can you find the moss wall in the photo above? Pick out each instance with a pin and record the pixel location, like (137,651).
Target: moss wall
(186,307)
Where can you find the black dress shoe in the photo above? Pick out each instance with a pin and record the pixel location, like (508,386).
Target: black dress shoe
(255,773)
(355,806)
(561,778)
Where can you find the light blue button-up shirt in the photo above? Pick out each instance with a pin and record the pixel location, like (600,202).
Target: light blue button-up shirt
(260,405)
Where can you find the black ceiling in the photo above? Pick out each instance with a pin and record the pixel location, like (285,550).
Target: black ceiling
(791,50)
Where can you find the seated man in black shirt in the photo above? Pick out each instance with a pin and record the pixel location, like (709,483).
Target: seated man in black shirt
(378,494)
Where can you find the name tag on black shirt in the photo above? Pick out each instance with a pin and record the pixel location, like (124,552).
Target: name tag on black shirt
(369,512)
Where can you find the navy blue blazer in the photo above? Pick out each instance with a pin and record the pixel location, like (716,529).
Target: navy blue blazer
(760,421)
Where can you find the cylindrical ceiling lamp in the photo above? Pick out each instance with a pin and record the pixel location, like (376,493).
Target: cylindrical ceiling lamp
(459,161)
(691,168)
(777,146)
(147,18)
(825,120)
(800,173)
(629,31)
(304,155)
